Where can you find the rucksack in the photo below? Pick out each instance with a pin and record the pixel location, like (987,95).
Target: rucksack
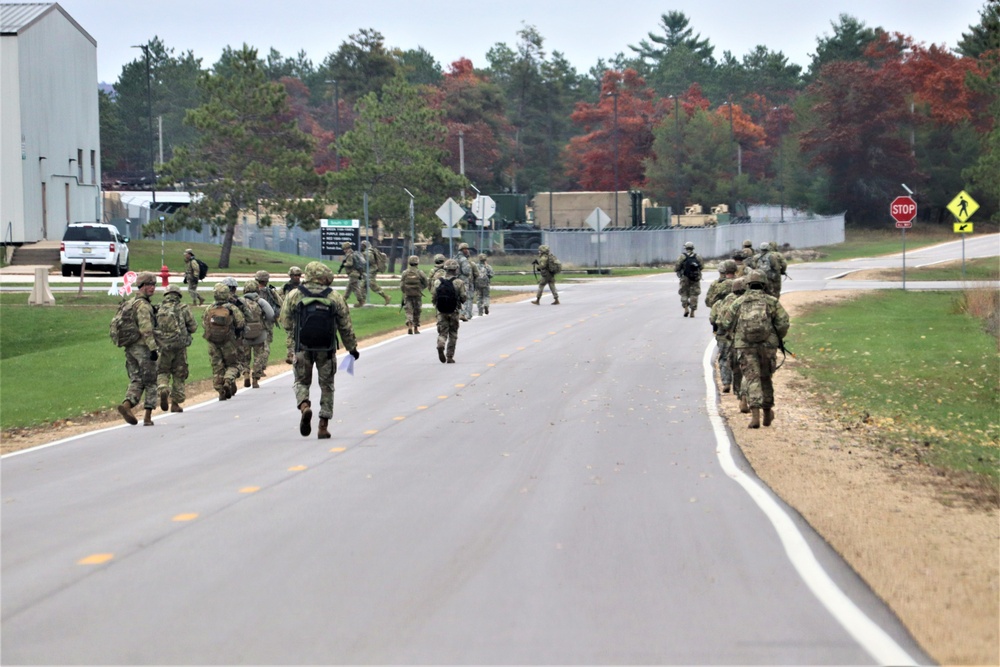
(446,296)
(171,327)
(316,322)
(555,266)
(202,269)
(483,277)
(691,267)
(754,323)
(124,330)
(218,324)
(381,261)
(253,330)
(411,283)
(766,264)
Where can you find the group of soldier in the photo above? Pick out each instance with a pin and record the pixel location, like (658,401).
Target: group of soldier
(749,324)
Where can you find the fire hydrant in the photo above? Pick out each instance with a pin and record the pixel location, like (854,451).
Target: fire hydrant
(165,275)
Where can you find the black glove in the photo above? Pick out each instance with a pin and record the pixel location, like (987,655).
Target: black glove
(154,355)
(715,328)
(355,354)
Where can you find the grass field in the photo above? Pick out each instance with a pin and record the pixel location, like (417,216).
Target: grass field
(981,269)
(876,242)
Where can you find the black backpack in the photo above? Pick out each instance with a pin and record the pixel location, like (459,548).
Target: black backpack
(691,268)
(316,324)
(202,269)
(446,296)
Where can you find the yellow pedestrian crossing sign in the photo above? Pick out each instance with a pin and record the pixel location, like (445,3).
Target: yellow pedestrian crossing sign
(962,227)
(963,206)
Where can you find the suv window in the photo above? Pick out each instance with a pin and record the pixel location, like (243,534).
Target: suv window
(87,234)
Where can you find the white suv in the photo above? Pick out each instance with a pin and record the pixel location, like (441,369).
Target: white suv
(100,245)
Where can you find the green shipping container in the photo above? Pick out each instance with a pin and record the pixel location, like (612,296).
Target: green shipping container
(511,208)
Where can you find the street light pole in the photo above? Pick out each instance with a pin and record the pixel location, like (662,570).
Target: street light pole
(677,150)
(152,153)
(413,236)
(614,95)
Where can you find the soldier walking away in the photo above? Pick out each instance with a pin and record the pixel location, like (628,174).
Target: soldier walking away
(174,326)
(548,266)
(222,326)
(770,264)
(759,324)
(482,285)
(312,315)
(412,284)
(260,317)
(377,261)
(192,275)
(728,367)
(294,279)
(133,328)
(467,273)
(723,285)
(438,269)
(274,298)
(242,350)
(448,293)
(688,270)
(354,265)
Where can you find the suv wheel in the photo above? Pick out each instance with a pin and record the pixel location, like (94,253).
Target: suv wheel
(66,270)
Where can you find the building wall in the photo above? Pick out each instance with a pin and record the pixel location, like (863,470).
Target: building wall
(11,163)
(56,80)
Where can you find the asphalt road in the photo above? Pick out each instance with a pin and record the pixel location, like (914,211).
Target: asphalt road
(565,493)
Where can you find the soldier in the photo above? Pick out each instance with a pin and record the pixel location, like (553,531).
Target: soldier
(448,293)
(259,319)
(412,283)
(766,262)
(728,366)
(548,266)
(274,298)
(312,315)
(747,249)
(781,264)
(356,269)
(140,352)
(294,279)
(438,269)
(723,285)
(738,260)
(192,271)
(223,324)
(688,270)
(242,350)
(377,261)
(174,326)
(759,324)
(482,284)
(467,272)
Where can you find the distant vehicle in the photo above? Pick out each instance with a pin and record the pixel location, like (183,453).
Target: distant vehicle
(100,245)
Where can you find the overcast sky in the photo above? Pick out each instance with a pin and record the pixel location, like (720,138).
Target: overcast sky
(582,30)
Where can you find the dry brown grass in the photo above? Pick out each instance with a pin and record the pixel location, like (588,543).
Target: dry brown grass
(982,301)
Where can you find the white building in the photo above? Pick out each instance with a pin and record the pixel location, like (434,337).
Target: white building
(50,147)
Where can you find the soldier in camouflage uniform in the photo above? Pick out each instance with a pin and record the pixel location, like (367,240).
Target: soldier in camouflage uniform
(255,343)
(174,326)
(374,257)
(242,352)
(317,279)
(747,249)
(759,323)
(728,366)
(770,264)
(191,273)
(412,283)
(438,269)
(141,356)
(688,270)
(222,338)
(482,284)
(467,272)
(274,298)
(294,279)
(723,285)
(447,323)
(781,265)
(546,267)
(354,266)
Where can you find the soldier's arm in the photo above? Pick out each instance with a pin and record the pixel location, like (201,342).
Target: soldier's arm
(345,327)
(285,316)
(238,318)
(144,320)
(781,322)
(189,321)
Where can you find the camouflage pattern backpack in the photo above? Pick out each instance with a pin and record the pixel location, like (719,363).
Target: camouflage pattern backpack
(754,320)
(124,329)
(218,324)
(253,330)
(171,328)
(411,282)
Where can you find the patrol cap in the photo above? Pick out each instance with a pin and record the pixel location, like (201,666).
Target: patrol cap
(189,251)
(295,271)
(262,276)
(346,245)
(145,278)
(413,260)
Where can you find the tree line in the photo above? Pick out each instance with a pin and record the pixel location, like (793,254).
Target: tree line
(370,126)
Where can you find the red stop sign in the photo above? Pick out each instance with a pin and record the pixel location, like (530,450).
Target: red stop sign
(903,209)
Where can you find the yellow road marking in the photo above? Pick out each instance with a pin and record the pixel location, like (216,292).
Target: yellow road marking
(537,340)
(475,375)
(250,489)
(421,407)
(504,356)
(296,468)
(491,365)
(95,559)
(459,386)
(190,516)
(337,450)
(371,432)
(520,348)
(398,419)
(442,397)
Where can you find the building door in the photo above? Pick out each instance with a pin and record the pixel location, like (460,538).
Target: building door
(45,214)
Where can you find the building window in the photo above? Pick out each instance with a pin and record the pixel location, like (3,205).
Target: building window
(79,165)
(93,167)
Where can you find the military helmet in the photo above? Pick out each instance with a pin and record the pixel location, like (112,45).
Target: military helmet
(689,246)
(756,277)
(364,244)
(543,249)
(262,276)
(740,284)
(439,259)
(145,278)
(230,282)
(413,260)
(251,287)
(294,271)
(173,289)
(463,246)
(748,243)
(318,272)
(220,292)
(764,245)
(451,265)
(728,266)
(346,245)
(774,245)
(482,257)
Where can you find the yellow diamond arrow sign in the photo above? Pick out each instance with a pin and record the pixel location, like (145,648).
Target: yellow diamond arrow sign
(963,206)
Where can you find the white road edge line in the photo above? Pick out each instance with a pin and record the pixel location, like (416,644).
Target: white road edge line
(866,632)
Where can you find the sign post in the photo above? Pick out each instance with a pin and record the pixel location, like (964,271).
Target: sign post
(598,220)
(903,210)
(962,207)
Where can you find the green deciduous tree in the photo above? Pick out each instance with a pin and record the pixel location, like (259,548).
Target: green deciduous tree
(249,154)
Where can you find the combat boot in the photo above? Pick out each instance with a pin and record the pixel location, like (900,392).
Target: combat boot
(322,433)
(176,407)
(556,302)
(255,384)
(416,328)
(224,394)
(125,410)
(744,407)
(487,310)
(754,418)
(164,395)
(305,425)
(147,420)
(535,302)
(451,360)
(409,330)
(725,388)
(441,356)
(290,358)
(387,300)
(692,312)
(246,381)
(232,388)
(685,312)
(768,416)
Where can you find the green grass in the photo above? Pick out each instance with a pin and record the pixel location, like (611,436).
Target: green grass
(981,269)
(875,242)
(912,364)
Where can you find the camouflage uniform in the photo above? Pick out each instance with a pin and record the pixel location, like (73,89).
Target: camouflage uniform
(438,269)
(317,278)
(294,279)
(353,263)
(413,300)
(724,337)
(372,256)
(772,265)
(174,326)
(447,323)
(747,250)
(467,272)
(257,348)
(717,291)
(757,360)
(482,285)
(141,356)
(548,276)
(224,355)
(690,287)
(191,273)
(719,288)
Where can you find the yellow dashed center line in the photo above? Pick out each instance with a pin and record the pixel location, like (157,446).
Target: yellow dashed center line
(459,386)
(190,516)
(337,450)
(398,419)
(371,432)
(95,559)
(421,407)
(250,489)
(296,468)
